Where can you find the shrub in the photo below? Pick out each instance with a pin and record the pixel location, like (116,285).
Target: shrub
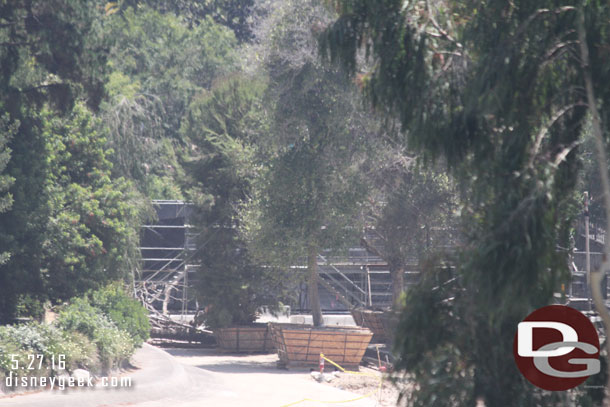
(126,313)
(10,347)
(113,344)
(39,339)
(96,338)
(29,306)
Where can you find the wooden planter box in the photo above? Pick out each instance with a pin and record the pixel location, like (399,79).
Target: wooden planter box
(301,345)
(390,320)
(372,320)
(245,339)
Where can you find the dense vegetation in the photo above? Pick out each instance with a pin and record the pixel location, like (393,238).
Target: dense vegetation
(93,99)
(292,126)
(497,89)
(96,338)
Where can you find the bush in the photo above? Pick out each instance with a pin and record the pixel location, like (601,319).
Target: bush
(29,306)
(114,345)
(126,313)
(48,340)
(96,338)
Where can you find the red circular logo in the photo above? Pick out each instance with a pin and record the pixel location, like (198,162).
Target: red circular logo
(556,348)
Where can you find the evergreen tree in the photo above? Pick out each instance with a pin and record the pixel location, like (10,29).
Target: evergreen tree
(493,87)
(91,235)
(222,125)
(51,54)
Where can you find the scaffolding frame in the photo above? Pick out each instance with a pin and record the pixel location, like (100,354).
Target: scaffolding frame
(165,266)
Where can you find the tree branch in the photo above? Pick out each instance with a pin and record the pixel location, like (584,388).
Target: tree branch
(523,27)
(368,246)
(545,129)
(561,156)
(443,33)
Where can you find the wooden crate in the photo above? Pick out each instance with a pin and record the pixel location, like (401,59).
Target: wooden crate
(390,320)
(372,320)
(301,345)
(253,338)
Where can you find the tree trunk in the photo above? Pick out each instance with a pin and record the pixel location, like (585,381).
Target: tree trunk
(397,272)
(314,296)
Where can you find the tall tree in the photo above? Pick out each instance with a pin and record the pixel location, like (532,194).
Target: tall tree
(494,87)
(411,215)
(91,234)
(222,125)
(51,54)
(309,197)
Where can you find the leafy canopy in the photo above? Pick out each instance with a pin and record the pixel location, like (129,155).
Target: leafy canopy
(493,87)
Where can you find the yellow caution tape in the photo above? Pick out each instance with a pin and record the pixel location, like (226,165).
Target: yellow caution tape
(380,377)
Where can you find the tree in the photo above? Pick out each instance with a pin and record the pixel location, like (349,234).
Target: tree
(599,130)
(91,236)
(411,217)
(309,195)
(158,65)
(221,125)
(51,54)
(493,88)
(6,133)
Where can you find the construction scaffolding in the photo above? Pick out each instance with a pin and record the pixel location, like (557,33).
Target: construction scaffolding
(359,278)
(166,247)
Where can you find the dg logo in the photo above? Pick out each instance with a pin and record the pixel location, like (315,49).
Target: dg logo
(556,348)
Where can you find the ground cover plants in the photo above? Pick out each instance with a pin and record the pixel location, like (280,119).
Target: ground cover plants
(97,332)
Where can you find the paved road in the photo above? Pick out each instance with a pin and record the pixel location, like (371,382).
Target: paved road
(196,378)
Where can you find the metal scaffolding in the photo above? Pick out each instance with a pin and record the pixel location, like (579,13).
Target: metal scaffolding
(166,247)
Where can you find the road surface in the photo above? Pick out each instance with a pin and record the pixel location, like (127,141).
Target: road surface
(198,378)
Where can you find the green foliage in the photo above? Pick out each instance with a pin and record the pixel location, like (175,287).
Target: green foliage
(222,125)
(416,211)
(127,313)
(412,214)
(83,334)
(494,89)
(91,232)
(234,14)
(29,306)
(49,341)
(52,52)
(7,131)
(159,64)
(169,60)
(51,55)
(114,345)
